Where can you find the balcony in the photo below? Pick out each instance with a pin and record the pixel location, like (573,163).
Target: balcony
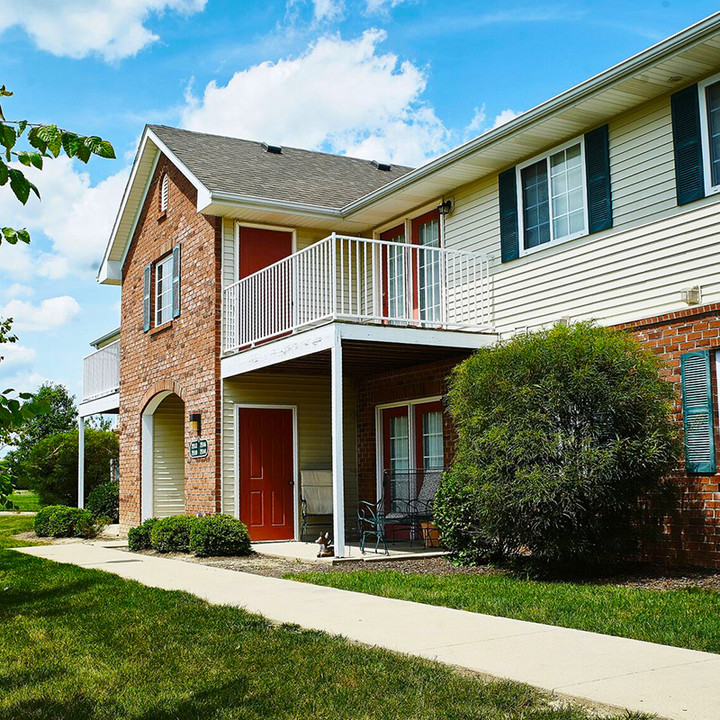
(101,379)
(358,280)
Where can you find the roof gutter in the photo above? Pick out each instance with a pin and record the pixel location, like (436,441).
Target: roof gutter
(252,202)
(672,45)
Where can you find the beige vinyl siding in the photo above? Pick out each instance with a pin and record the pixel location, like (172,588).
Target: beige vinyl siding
(169,458)
(634,270)
(311,395)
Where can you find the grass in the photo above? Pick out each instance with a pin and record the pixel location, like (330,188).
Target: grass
(83,644)
(25,501)
(687,618)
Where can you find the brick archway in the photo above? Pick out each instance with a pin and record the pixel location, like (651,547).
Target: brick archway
(165,385)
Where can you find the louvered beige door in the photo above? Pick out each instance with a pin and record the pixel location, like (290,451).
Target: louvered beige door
(169,458)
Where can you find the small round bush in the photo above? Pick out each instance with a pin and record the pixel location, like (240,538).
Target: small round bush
(219,535)
(64,521)
(42,520)
(139,537)
(172,534)
(104,501)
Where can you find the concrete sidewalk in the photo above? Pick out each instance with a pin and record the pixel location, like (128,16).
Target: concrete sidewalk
(671,682)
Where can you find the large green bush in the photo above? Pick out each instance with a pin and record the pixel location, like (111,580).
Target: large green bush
(51,468)
(219,535)
(104,501)
(172,534)
(564,437)
(139,537)
(63,521)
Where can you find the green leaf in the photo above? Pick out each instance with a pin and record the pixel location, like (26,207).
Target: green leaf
(36,140)
(52,138)
(71,143)
(8,136)
(4,92)
(21,127)
(105,150)
(24,236)
(3,173)
(20,185)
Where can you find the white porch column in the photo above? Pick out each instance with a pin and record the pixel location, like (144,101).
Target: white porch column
(336,401)
(81,462)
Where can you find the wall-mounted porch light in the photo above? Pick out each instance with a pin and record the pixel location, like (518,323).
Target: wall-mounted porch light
(445,207)
(195,424)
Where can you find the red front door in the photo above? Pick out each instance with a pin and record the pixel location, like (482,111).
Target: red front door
(266,473)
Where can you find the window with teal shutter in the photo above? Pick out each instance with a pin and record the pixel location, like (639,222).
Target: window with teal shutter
(176,281)
(698,412)
(147,276)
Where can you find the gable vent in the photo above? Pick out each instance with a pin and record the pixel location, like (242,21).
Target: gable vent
(385,167)
(274,149)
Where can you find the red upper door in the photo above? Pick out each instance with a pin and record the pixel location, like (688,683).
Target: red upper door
(393,274)
(260,248)
(426,268)
(267,475)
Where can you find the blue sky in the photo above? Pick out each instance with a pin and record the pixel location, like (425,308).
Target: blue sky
(398,80)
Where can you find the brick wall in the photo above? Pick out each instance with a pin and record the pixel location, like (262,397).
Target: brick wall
(691,535)
(181,356)
(420,381)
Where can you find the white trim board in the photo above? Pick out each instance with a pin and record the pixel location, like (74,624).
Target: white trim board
(322,338)
(107,404)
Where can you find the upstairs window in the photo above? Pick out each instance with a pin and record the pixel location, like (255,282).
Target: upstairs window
(163,291)
(164,193)
(562,195)
(552,196)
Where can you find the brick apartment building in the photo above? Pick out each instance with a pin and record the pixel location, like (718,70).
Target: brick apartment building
(289,318)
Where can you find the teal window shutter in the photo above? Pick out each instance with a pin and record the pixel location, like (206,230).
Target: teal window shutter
(507,192)
(147,276)
(597,171)
(687,146)
(698,412)
(176,281)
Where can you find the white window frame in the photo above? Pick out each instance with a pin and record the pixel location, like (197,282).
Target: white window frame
(166,262)
(380,439)
(710,189)
(521,210)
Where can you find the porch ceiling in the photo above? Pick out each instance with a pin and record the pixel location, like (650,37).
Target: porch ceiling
(361,359)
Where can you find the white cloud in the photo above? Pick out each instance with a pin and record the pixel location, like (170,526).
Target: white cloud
(503,117)
(50,313)
(74,214)
(14,354)
(112,29)
(327,10)
(18,290)
(476,126)
(339,95)
(382,6)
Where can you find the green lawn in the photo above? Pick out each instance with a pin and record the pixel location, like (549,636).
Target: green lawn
(25,501)
(80,643)
(685,618)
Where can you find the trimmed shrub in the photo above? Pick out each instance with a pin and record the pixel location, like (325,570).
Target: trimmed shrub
(139,537)
(42,520)
(564,437)
(104,501)
(64,521)
(219,535)
(172,534)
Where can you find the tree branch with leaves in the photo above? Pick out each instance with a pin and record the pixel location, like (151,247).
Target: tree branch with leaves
(28,144)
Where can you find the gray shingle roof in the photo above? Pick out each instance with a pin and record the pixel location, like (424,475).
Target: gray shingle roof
(225,164)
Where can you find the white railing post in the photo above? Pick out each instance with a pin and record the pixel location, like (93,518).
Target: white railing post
(333,275)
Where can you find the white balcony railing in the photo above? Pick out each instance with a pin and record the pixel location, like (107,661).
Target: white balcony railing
(358,280)
(101,372)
